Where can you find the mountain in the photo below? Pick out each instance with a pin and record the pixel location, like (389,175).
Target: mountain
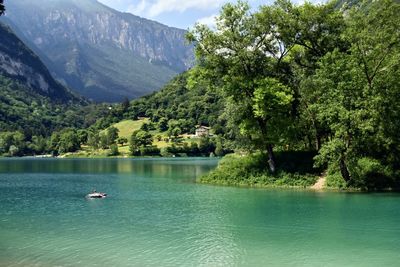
(99,52)
(31,100)
(19,63)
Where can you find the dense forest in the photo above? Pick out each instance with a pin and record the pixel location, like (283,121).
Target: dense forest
(312,77)
(294,90)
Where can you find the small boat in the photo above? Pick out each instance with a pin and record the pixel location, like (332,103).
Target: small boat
(96,195)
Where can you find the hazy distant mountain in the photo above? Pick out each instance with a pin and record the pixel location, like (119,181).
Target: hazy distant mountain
(99,52)
(19,64)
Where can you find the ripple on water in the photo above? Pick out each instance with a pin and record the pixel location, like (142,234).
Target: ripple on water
(157,216)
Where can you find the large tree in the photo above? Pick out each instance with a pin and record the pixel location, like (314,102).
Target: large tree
(358,93)
(244,56)
(258,60)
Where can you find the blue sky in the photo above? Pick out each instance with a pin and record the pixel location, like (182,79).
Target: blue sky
(178,13)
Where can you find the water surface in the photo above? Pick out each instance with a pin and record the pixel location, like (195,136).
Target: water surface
(156,215)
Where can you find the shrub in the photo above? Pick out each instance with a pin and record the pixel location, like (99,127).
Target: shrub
(252,170)
(113,150)
(371,174)
(149,151)
(334,179)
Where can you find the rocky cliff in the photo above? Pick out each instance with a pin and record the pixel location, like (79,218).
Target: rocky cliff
(99,52)
(20,64)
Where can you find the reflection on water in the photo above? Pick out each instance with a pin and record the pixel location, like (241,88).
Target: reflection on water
(156,215)
(158,167)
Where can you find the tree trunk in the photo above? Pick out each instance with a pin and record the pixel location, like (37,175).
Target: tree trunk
(344,171)
(318,141)
(271,156)
(310,145)
(271,159)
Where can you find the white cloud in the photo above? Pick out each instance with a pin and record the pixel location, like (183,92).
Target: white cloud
(164,6)
(210,21)
(137,9)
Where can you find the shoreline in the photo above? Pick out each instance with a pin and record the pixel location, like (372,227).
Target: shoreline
(318,186)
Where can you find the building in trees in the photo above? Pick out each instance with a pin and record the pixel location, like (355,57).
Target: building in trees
(202,131)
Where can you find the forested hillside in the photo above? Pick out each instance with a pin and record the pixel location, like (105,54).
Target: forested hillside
(32,103)
(182,104)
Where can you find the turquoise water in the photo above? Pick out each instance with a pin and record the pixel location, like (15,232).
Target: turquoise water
(156,215)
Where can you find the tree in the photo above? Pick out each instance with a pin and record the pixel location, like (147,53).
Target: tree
(54,142)
(69,141)
(122,140)
(358,93)
(83,136)
(163,124)
(125,104)
(12,143)
(112,135)
(114,150)
(175,132)
(104,141)
(219,150)
(244,49)
(139,139)
(93,139)
(206,146)
(145,127)
(13,150)
(6,140)
(39,144)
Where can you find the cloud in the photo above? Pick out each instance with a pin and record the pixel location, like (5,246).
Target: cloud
(154,8)
(210,21)
(138,9)
(164,6)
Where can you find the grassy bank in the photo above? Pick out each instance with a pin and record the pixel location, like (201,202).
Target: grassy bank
(295,169)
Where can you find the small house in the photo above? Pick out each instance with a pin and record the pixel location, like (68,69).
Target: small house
(202,131)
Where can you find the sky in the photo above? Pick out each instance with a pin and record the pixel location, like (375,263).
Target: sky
(179,13)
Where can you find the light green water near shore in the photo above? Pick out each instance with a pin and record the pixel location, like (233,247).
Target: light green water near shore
(156,215)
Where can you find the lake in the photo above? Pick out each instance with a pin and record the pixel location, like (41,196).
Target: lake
(156,215)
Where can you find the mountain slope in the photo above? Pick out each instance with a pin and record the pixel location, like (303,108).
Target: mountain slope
(19,63)
(99,52)
(31,101)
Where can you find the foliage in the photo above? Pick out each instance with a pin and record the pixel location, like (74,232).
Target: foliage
(112,135)
(12,143)
(93,140)
(250,170)
(69,141)
(178,106)
(33,114)
(371,174)
(138,140)
(310,77)
(358,96)
(122,140)
(149,151)
(113,150)
(298,88)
